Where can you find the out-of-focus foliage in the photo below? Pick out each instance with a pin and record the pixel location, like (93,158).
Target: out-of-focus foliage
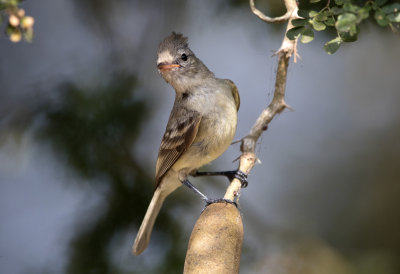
(95,129)
(345,16)
(19,25)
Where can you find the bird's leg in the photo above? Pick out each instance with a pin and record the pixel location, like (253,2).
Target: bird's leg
(204,197)
(195,190)
(229,174)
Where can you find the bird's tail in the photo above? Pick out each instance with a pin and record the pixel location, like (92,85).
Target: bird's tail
(143,236)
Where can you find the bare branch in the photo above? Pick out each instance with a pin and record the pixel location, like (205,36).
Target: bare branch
(247,161)
(277,105)
(266,18)
(211,251)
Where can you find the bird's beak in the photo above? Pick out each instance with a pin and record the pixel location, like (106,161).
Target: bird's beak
(165,66)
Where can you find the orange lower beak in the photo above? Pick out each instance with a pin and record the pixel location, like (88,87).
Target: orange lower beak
(164,66)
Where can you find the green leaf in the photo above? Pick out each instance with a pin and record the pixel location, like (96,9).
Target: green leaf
(9,30)
(336,10)
(351,8)
(380,2)
(394,17)
(303,13)
(330,21)
(328,12)
(299,22)
(294,32)
(393,8)
(381,18)
(307,13)
(339,2)
(374,6)
(354,30)
(28,35)
(364,12)
(348,36)
(321,17)
(345,22)
(307,36)
(332,46)
(312,13)
(314,1)
(318,26)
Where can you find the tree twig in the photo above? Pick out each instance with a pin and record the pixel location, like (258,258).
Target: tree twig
(266,18)
(216,240)
(277,105)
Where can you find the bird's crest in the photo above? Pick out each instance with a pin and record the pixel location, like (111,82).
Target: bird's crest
(173,42)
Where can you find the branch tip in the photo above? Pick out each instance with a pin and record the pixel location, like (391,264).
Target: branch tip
(288,107)
(268,19)
(237,141)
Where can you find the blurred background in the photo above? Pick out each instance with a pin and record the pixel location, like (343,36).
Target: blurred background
(83,110)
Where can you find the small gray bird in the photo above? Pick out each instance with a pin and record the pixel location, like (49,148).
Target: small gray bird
(201,126)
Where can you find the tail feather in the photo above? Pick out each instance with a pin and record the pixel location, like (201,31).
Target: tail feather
(143,236)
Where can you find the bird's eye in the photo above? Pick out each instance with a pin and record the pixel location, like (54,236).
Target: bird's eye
(184,57)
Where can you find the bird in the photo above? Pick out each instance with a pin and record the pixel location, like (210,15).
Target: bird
(201,126)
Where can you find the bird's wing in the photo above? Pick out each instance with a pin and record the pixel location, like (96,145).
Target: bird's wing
(181,130)
(235,93)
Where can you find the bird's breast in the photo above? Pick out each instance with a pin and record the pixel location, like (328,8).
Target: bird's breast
(218,124)
(216,130)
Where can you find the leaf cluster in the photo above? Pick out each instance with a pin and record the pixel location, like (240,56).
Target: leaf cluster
(18,24)
(344,16)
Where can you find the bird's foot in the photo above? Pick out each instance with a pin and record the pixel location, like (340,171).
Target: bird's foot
(221,200)
(238,174)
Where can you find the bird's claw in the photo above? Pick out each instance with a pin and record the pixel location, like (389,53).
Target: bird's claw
(221,200)
(240,175)
(235,174)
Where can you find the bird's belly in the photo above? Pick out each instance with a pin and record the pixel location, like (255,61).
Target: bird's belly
(214,136)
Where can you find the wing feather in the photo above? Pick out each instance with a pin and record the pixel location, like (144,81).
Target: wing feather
(181,130)
(235,92)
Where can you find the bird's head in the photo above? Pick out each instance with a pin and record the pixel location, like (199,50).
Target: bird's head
(177,63)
